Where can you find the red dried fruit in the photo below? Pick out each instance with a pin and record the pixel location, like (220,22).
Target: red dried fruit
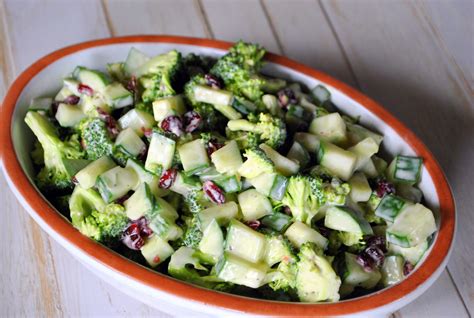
(286,97)
(324,231)
(365,261)
(122,199)
(131,237)
(213,192)
(212,146)
(287,210)
(378,241)
(156,259)
(145,230)
(167,178)
(72,100)
(110,122)
(74,180)
(192,121)
(375,254)
(84,89)
(147,132)
(132,84)
(213,81)
(383,187)
(253,224)
(408,268)
(172,124)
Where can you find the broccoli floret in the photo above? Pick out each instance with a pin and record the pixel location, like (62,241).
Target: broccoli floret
(96,138)
(196,64)
(370,208)
(279,249)
(284,277)
(335,192)
(315,279)
(38,154)
(193,234)
(93,218)
(350,239)
(159,79)
(62,159)
(196,201)
(257,163)
(244,139)
(304,196)
(270,130)
(238,69)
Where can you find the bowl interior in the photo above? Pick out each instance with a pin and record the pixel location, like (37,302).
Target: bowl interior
(49,80)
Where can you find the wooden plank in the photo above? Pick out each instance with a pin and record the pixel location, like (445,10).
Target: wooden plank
(436,302)
(177,17)
(406,70)
(43,278)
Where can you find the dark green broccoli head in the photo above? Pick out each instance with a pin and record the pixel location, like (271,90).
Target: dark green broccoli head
(96,138)
(62,159)
(250,56)
(196,201)
(244,139)
(193,233)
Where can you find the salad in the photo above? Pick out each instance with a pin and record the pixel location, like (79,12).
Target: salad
(218,175)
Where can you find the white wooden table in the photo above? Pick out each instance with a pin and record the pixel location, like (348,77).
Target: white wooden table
(414,57)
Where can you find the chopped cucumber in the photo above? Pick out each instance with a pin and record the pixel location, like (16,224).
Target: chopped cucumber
(63,93)
(353,275)
(193,156)
(96,80)
(243,106)
(342,218)
(138,120)
(357,133)
(283,165)
(87,177)
(41,104)
(392,270)
(147,177)
(160,154)
(130,142)
(364,151)
(206,94)
(118,96)
(412,226)
(369,169)
(409,192)
(140,203)
(244,242)
(230,184)
(336,160)
(360,188)
(71,87)
(380,164)
(299,154)
(69,115)
(321,94)
(185,184)
(168,106)
(135,59)
(390,207)
(270,184)
(116,182)
(212,242)
(254,205)
(156,250)
(299,233)
(234,269)
(228,158)
(309,141)
(405,169)
(221,213)
(331,128)
(277,221)
(278,249)
(410,254)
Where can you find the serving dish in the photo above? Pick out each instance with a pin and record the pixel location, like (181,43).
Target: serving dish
(174,296)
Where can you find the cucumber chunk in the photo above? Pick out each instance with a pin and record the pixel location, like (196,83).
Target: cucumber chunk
(221,213)
(409,192)
(160,154)
(342,218)
(410,254)
(360,188)
(283,165)
(212,242)
(193,156)
(69,115)
(254,205)
(118,96)
(331,128)
(140,203)
(278,249)
(228,158)
(96,80)
(392,270)
(185,184)
(230,184)
(336,160)
(147,177)
(357,133)
(299,154)
(168,106)
(116,182)
(138,120)
(405,169)
(309,141)
(299,233)
(277,221)
(206,94)
(364,150)
(244,242)
(63,93)
(87,177)
(41,104)
(390,207)
(156,250)
(354,275)
(270,184)
(412,226)
(130,142)
(135,59)
(234,269)
(321,94)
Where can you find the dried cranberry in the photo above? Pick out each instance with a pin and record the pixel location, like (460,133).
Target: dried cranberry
(122,199)
(84,89)
(172,124)
(110,122)
(253,224)
(142,154)
(287,210)
(365,261)
(408,268)
(213,192)
(147,132)
(132,84)
(324,231)
(131,237)
(375,254)
(72,100)
(145,230)
(192,121)
(212,81)
(378,241)
(167,178)
(74,180)
(286,97)
(384,187)
(212,146)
